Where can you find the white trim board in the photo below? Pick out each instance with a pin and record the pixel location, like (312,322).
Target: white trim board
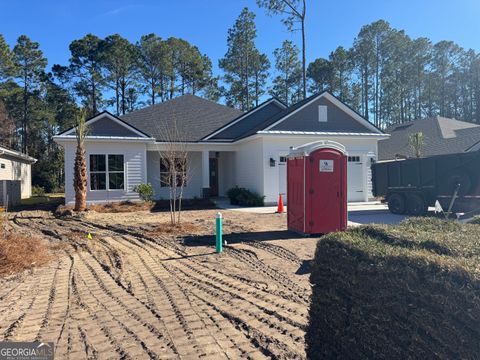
(111,117)
(241,117)
(336,102)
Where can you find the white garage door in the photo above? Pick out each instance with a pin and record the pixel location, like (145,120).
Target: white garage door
(355,179)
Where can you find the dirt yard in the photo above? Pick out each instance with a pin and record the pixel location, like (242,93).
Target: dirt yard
(139,290)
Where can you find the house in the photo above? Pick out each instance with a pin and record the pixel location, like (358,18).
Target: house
(225,146)
(441,136)
(15,167)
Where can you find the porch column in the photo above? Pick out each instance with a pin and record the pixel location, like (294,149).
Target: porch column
(205,174)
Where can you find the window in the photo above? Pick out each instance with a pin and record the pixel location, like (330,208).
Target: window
(322,113)
(283,159)
(168,173)
(2,166)
(354,159)
(100,177)
(98,172)
(116,172)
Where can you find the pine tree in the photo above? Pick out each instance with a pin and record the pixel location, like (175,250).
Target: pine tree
(241,63)
(120,59)
(153,66)
(294,12)
(30,66)
(287,85)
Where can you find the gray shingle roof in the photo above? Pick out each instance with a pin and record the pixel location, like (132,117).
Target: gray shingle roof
(441,136)
(250,122)
(195,118)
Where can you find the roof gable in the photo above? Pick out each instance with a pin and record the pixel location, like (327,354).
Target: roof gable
(248,123)
(106,124)
(304,116)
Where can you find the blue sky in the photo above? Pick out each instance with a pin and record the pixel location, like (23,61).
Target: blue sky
(204,23)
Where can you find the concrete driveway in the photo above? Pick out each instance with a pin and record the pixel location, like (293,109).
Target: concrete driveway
(359,213)
(372,214)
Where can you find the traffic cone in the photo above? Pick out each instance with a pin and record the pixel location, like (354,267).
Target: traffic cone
(280,209)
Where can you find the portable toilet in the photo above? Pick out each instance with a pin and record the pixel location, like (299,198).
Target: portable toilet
(317,188)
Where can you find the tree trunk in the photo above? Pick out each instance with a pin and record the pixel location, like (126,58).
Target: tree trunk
(304,56)
(80,179)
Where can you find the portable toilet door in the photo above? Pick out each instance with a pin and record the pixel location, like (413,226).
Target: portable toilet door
(325,186)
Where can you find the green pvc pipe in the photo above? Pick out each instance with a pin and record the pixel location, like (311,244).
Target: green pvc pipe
(218,222)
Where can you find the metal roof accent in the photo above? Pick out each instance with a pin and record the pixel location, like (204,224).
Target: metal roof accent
(17,154)
(326,133)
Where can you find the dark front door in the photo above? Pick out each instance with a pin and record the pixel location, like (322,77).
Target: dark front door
(213,177)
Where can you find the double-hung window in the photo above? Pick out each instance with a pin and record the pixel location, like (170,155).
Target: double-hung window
(107,172)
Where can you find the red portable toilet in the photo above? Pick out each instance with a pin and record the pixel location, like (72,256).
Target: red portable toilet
(317,188)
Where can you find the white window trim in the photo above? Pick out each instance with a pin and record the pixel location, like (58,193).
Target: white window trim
(107,172)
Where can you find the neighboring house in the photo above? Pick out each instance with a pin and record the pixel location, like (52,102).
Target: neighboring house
(441,136)
(226,147)
(16,166)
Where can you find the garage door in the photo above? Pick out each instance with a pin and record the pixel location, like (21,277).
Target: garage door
(355,179)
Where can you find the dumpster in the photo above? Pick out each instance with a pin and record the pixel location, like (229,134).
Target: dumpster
(317,188)
(410,186)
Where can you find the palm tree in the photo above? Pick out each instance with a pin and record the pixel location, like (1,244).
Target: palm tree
(80,167)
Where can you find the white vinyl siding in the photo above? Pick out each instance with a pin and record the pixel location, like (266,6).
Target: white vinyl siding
(134,165)
(17,170)
(249,164)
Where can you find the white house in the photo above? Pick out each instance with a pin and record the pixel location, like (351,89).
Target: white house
(15,165)
(225,146)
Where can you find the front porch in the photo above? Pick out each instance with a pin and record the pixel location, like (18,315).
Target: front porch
(209,173)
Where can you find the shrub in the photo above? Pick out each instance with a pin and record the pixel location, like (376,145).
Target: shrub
(398,292)
(38,190)
(244,197)
(145,191)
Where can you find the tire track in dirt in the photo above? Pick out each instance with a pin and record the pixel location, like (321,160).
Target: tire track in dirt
(200,270)
(271,327)
(195,281)
(28,318)
(251,259)
(109,288)
(147,288)
(276,250)
(154,272)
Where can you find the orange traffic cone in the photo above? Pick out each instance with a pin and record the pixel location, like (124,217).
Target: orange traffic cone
(280,209)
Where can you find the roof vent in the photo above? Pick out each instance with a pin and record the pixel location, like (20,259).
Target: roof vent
(322,113)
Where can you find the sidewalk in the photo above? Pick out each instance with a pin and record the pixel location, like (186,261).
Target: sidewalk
(224,203)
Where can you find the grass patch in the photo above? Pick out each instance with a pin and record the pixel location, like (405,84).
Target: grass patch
(19,253)
(46,202)
(405,291)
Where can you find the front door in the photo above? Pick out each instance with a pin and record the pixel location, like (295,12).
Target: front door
(213,177)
